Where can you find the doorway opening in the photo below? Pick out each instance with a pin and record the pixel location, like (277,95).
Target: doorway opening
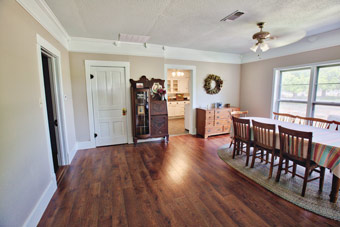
(179,106)
(49,69)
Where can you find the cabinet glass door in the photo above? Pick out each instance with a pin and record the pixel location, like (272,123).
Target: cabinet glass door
(169,85)
(142,112)
(175,86)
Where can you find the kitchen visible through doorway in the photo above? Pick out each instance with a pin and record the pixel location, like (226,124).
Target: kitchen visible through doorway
(178,88)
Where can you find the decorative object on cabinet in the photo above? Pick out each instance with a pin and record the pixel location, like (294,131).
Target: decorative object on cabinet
(213,121)
(139,85)
(156,87)
(219,105)
(208,84)
(179,97)
(161,92)
(149,113)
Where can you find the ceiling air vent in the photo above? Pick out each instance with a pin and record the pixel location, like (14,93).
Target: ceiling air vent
(133,38)
(233,16)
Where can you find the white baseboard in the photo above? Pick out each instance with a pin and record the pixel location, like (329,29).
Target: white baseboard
(147,140)
(85,145)
(40,207)
(89,145)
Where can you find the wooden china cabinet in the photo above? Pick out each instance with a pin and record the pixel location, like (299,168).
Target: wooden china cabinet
(149,112)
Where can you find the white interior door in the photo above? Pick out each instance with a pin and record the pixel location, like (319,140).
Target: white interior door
(108,94)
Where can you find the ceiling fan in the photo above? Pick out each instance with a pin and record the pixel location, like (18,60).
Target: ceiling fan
(264,37)
(261,36)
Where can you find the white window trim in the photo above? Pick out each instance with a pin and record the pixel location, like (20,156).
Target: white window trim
(312,86)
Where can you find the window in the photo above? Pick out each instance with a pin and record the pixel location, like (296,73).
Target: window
(293,92)
(327,94)
(312,91)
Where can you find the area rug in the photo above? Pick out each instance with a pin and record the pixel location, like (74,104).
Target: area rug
(288,188)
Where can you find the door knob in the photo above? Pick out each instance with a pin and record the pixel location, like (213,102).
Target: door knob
(124,111)
(56,123)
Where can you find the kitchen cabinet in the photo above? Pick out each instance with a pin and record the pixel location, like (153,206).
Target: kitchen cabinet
(184,85)
(174,86)
(176,108)
(169,86)
(178,85)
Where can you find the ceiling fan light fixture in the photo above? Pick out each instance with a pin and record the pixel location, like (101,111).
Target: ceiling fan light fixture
(254,47)
(264,47)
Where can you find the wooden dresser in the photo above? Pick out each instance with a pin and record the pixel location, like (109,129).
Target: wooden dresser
(213,121)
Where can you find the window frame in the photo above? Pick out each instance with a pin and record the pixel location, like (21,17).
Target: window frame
(313,85)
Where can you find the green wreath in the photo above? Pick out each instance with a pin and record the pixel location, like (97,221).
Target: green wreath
(207,84)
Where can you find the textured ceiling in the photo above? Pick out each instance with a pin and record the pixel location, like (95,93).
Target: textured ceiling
(196,24)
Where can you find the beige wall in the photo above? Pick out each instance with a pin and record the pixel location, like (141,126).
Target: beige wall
(151,67)
(24,162)
(257,78)
(230,74)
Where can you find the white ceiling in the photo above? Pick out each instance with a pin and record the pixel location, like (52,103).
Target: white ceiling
(196,24)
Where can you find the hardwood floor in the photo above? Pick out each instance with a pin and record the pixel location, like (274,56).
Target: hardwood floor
(183,183)
(61,173)
(176,126)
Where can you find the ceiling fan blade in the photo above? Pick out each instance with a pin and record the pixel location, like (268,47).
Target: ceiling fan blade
(279,41)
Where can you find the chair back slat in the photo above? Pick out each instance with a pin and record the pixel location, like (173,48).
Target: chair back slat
(337,123)
(295,144)
(241,129)
(284,117)
(315,122)
(264,135)
(239,113)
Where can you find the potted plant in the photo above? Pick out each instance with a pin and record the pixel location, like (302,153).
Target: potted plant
(161,92)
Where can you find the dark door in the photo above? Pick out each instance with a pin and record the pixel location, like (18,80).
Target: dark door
(51,110)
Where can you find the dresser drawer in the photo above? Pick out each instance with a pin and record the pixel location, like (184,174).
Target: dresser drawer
(209,112)
(221,122)
(226,128)
(214,130)
(222,114)
(221,111)
(209,117)
(209,124)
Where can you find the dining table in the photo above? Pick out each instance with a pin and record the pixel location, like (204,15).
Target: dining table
(325,147)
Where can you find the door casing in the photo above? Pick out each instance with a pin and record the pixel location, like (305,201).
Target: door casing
(42,44)
(192,91)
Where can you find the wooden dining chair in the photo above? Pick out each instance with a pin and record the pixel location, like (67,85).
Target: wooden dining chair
(315,122)
(284,117)
(297,147)
(238,113)
(242,137)
(337,125)
(264,141)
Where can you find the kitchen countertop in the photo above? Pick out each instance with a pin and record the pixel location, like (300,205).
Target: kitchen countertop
(178,100)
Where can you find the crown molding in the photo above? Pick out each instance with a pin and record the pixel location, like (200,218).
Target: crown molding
(41,12)
(44,15)
(102,46)
(314,42)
